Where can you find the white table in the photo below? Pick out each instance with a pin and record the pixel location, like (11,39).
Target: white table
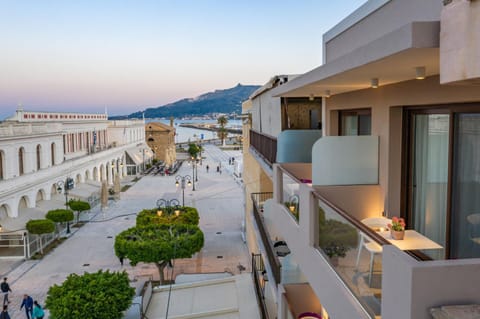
(412,241)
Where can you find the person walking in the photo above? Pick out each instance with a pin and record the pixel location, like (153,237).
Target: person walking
(208,168)
(28,304)
(4,314)
(5,287)
(38,312)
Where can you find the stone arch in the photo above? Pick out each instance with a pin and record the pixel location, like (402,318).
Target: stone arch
(78,178)
(23,202)
(102,173)
(40,195)
(5,211)
(95,174)
(87,175)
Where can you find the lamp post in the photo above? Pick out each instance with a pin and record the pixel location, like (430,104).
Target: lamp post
(143,159)
(167,205)
(194,171)
(63,185)
(181,181)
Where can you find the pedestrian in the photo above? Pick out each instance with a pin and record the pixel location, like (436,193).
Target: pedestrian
(229,161)
(28,304)
(121,260)
(5,287)
(38,312)
(218,169)
(4,314)
(208,168)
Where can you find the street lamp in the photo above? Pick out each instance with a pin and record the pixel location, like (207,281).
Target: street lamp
(167,205)
(143,159)
(181,181)
(194,171)
(64,185)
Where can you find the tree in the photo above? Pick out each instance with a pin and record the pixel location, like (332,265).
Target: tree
(188,215)
(79,207)
(194,149)
(222,132)
(60,215)
(40,227)
(159,244)
(91,295)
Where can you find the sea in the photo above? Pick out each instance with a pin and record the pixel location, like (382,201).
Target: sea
(186,134)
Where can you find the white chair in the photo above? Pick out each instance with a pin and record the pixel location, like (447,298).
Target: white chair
(376,223)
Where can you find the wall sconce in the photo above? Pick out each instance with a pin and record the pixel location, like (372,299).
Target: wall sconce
(327,93)
(420,72)
(293,203)
(374,83)
(311,97)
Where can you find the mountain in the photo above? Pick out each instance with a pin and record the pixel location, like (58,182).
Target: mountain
(219,101)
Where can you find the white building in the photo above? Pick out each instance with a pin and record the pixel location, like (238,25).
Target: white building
(39,149)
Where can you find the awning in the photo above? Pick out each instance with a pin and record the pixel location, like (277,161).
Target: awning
(139,154)
(391,59)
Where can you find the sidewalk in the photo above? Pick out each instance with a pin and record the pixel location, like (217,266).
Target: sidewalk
(90,248)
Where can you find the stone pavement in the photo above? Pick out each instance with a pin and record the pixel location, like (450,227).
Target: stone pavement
(218,198)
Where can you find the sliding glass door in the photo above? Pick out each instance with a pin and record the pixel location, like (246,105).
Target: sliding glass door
(444,179)
(430,175)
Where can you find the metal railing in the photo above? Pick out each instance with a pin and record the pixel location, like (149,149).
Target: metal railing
(258,200)
(265,145)
(258,271)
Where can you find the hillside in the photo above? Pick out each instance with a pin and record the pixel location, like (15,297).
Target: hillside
(219,101)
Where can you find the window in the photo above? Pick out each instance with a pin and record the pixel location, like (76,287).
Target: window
(355,122)
(39,155)
(1,165)
(52,151)
(443,178)
(21,154)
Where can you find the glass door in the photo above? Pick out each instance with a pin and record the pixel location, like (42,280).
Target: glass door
(429,177)
(465,221)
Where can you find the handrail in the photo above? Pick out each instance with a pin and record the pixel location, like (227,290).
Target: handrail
(289,174)
(273,260)
(358,224)
(258,288)
(265,145)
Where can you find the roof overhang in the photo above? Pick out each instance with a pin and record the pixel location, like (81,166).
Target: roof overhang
(391,59)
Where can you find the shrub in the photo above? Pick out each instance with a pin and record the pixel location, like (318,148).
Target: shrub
(60,215)
(188,215)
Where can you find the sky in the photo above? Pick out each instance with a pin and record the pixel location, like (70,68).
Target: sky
(129,55)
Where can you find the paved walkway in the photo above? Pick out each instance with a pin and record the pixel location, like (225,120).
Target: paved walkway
(220,203)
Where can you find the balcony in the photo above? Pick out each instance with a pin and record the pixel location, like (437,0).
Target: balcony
(264,145)
(258,200)
(295,146)
(365,278)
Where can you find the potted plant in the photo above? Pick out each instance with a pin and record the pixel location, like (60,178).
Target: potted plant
(397,228)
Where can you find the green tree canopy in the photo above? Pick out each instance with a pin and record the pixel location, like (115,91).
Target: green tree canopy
(188,215)
(194,149)
(92,295)
(39,227)
(222,121)
(159,244)
(60,215)
(78,206)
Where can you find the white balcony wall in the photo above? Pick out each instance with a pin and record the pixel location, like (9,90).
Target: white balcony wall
(345,160)
(410,288)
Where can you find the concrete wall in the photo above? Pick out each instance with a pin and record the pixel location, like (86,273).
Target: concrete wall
(460,42)
(345,160)
(266,114)
(410,288)
(387,103)
(389,16)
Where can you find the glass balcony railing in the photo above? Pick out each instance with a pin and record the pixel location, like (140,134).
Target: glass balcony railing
(353,251)
(290,193)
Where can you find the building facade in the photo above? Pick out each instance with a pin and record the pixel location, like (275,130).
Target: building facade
(39,150)
(161,139)
(400,110)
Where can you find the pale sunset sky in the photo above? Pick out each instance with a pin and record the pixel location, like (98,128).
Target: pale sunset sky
(128,55)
